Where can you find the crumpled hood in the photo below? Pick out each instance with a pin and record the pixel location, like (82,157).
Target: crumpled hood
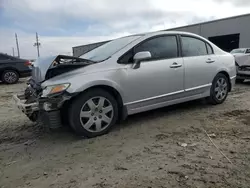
(40,68)
(86,70)
(46,68)
(242,59)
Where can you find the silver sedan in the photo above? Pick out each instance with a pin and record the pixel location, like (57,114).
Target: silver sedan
(127,76)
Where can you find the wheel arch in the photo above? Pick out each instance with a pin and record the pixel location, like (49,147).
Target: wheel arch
(111,90)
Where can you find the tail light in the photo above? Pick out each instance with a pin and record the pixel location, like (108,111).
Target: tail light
(28,63)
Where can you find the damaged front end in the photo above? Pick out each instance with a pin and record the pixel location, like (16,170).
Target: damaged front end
(46,103)
(243,72)
(242,63)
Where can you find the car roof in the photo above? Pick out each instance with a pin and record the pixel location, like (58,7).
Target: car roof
(14,57)
(3,54)
(155,33)
(6,55)
(169,32)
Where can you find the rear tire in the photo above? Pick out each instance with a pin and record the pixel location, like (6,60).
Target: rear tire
(219,89)
(10,77)
(93,113)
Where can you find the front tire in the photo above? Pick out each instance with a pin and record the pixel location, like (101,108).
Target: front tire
(10,77)
(219,90)
(93,113)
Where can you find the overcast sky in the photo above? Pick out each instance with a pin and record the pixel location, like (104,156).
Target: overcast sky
(62,24)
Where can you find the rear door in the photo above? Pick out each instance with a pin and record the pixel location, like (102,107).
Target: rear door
(200,64)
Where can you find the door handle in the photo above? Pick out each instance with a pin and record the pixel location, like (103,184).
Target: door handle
(210,61)
(175,65)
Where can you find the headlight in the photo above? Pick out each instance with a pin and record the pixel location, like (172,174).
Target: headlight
(55,89)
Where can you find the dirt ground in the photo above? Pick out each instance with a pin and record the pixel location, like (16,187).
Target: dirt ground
(158,149)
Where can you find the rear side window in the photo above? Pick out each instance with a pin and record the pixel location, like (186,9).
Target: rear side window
(209,49)
(193,47)
(164,47)
(248,51)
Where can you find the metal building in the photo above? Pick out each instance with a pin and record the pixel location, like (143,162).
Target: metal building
(228,33)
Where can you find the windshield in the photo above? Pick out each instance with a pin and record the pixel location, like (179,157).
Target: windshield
(106,50)
(237,51)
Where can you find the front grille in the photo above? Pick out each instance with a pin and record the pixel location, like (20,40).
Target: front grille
(244,68)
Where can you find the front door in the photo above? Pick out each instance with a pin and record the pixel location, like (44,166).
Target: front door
(157,80)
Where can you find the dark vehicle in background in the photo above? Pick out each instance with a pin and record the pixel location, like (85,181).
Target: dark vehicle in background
(13,68)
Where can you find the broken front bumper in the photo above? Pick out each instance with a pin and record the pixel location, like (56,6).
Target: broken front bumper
(46,110)
(26,108)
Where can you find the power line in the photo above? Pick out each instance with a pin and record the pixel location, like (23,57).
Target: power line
(37,44)
(17,46)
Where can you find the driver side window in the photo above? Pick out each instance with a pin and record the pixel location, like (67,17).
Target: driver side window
(248,51)
(164,47)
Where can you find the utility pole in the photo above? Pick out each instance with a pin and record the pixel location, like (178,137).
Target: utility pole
(13,52)
(17,46)
(37,44)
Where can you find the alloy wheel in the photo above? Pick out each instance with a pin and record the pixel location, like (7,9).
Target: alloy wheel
(10,77)
(96,114)
(221,89)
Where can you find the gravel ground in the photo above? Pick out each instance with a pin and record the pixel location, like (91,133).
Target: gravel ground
(162,148)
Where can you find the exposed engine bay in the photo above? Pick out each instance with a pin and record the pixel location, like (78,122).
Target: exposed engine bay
(242,62)
(31,102)
(63,64)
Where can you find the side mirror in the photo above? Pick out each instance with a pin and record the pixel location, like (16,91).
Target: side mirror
(140,56)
